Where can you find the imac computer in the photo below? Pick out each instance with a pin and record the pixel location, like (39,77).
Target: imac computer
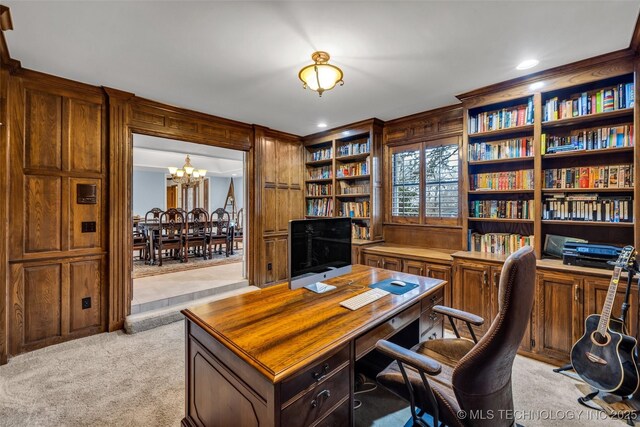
(318,249)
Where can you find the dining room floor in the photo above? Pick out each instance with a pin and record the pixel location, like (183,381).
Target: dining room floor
(154,292)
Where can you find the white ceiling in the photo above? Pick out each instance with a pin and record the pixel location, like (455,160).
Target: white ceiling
(240,60)
(157,154)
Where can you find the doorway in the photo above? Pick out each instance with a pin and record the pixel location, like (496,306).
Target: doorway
(188,228)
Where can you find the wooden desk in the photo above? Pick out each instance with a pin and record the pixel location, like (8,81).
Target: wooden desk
(277,357)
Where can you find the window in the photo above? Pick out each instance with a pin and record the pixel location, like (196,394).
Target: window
(423,182)
(405,197)
(441,181)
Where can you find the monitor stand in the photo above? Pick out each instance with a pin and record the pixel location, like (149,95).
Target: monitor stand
(320,288)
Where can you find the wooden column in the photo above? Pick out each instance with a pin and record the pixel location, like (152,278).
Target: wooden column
(120,170)
(4,212)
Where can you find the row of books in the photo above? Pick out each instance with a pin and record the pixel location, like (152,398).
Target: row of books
(618,176)
(507,149)
(322,154)
(346,188)
(357,147)
(353,169)
(359,231)
(514,209)
(588,139)
(588,207)
(354,209)
(498,243)
(512,180)
(323,172)
(319,189)
(601,101)
(320,207)
(505,118)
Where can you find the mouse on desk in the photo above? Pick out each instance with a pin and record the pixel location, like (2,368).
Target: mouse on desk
(397,283)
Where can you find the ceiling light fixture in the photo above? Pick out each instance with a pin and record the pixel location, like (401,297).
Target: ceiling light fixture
(322,125)
(187,175)
(527,63)
(320,76)
(536,85)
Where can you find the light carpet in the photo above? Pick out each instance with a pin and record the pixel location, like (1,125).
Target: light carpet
(138,380)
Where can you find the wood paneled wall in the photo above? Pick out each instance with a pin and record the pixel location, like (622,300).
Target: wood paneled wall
(57,141)
(4,210)
(442,123)
(279,183)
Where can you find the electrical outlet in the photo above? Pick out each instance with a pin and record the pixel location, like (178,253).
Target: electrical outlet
(86,303)
(269,266)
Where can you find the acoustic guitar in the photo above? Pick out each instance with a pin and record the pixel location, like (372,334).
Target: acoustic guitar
(605,355)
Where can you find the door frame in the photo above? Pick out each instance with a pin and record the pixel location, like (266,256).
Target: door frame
(128,115)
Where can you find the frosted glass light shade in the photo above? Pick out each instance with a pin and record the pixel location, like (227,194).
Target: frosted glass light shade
(180,173)
(320,76)
(188,170)
(172,170)
(202,172)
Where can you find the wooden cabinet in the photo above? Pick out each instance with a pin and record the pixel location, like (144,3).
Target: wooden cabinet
(559,313)
(595,292)
(472,292)
(388,263)
(413,267)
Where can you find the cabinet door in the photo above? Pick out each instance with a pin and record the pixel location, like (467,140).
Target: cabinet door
(595,292)
(413,267)
(559,317)
(394,264)
(372,260)
(442,272)
(471,293)
(355,254)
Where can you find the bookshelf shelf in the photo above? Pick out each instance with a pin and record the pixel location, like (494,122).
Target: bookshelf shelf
(502,132)
(353,149)
(588,118)
(350,196)
(598,152)
(588,223)
(499,161)
(501,191)
(514,220)
(354,177)
(319,162)
(587,190)
(359,156)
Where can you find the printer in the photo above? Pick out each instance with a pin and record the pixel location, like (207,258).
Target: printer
(589,254)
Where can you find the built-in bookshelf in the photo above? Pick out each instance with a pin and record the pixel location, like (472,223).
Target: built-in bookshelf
(341,179)
(557,161)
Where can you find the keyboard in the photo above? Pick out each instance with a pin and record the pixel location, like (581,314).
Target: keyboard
(364,298)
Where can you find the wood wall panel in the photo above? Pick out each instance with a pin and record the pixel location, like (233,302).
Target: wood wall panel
(42,303)
(43,133)
(85,136)
(269,209)
(4,212)
(424,236)
(85,280)
(81,213)
(42,213)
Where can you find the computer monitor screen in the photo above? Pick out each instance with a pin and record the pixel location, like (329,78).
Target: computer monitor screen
(318,249)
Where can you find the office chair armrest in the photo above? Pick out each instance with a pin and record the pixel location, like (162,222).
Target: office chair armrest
(408,357)
(459,314)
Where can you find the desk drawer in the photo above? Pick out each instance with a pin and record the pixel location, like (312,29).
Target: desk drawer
(314,374)
(316,402)
(436,331)
(367,342)
(427,303)
(428,319)
(339,417)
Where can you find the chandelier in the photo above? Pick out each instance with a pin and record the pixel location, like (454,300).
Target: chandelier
(320,76)
(187,175)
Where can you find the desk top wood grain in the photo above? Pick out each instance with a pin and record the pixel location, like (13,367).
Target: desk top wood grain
(279,331)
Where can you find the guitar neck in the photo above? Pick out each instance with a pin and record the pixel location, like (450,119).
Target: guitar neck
(608,303)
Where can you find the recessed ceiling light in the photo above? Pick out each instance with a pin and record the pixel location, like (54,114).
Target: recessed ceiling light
(527,63)
(234,174)
(536,85)
(322,125)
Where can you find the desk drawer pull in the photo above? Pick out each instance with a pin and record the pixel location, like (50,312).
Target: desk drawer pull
(319,376)
(323,393)
(433,316)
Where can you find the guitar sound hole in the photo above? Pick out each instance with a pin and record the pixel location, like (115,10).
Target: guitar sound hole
(600,339)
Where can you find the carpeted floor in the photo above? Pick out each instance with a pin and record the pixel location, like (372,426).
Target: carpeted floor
(138,380)
(140,269)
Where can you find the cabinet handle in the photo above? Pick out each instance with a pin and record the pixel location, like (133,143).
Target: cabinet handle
(378,263)
(323,393)
(433,316)
(576,292)
(495,279)
(421,271)
(485,278)
(319,376)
